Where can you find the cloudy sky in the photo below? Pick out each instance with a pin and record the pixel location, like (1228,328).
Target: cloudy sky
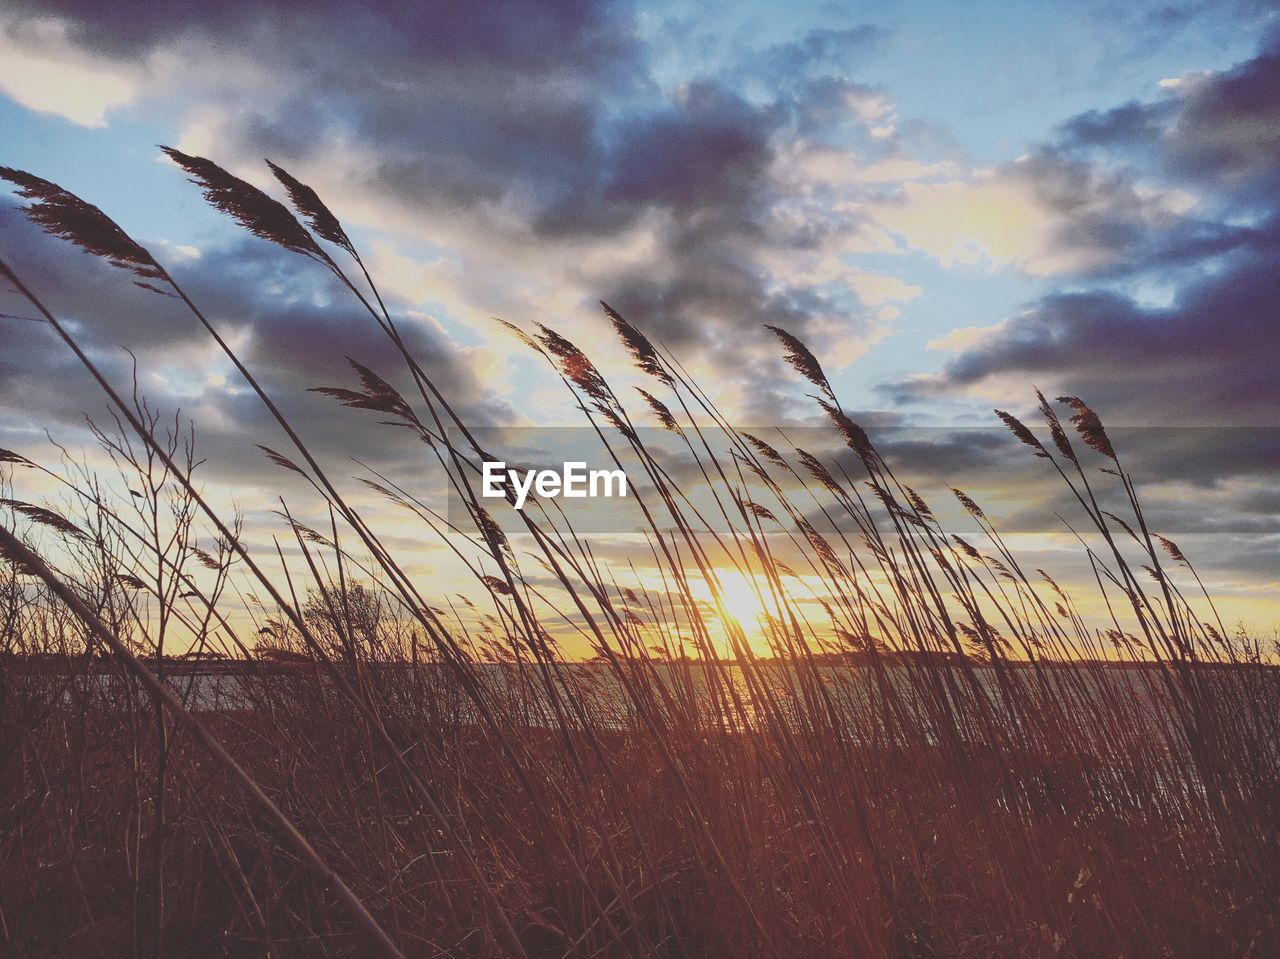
(948,202)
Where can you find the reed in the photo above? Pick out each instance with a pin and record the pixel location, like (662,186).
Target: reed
(921,748)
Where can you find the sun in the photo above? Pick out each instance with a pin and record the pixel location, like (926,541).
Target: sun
(739,598)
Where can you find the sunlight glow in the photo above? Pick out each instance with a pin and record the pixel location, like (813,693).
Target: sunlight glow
(739,598)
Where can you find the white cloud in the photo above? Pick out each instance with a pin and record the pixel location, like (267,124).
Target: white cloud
(1006,217)
(1186,82)
(805,164)
(42,71)
(981,221)
(966,337)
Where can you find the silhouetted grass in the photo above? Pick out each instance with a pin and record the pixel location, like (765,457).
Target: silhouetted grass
(952,760)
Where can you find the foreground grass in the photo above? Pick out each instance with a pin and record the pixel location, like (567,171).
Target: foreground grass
(1088,847)
(948,761)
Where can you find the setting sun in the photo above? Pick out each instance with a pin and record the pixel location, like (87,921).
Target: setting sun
(741,597)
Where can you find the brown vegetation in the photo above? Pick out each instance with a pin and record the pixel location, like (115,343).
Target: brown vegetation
(952,762)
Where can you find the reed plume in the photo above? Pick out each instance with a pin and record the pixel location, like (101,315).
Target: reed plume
(803,361)
(876,739)
(661,411)
(638,345)
(1089,426)
(63,214)
(313,210)
(254,210)
(1018,429)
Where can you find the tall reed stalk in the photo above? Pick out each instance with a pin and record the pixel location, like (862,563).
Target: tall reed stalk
(921,749)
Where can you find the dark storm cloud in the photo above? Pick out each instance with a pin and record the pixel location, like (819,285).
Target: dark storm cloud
(1134,124)
(1229,126)
(526,36)
(1101,213)
(1207,359)
(536,124)
(705,156)
(457,107)
(1208,356)
(1222,129)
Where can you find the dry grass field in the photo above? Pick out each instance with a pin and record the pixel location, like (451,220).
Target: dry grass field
(202,756)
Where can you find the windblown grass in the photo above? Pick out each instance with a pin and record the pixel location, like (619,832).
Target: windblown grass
(952,760)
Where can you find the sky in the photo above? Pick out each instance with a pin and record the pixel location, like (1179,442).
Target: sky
(951,204)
